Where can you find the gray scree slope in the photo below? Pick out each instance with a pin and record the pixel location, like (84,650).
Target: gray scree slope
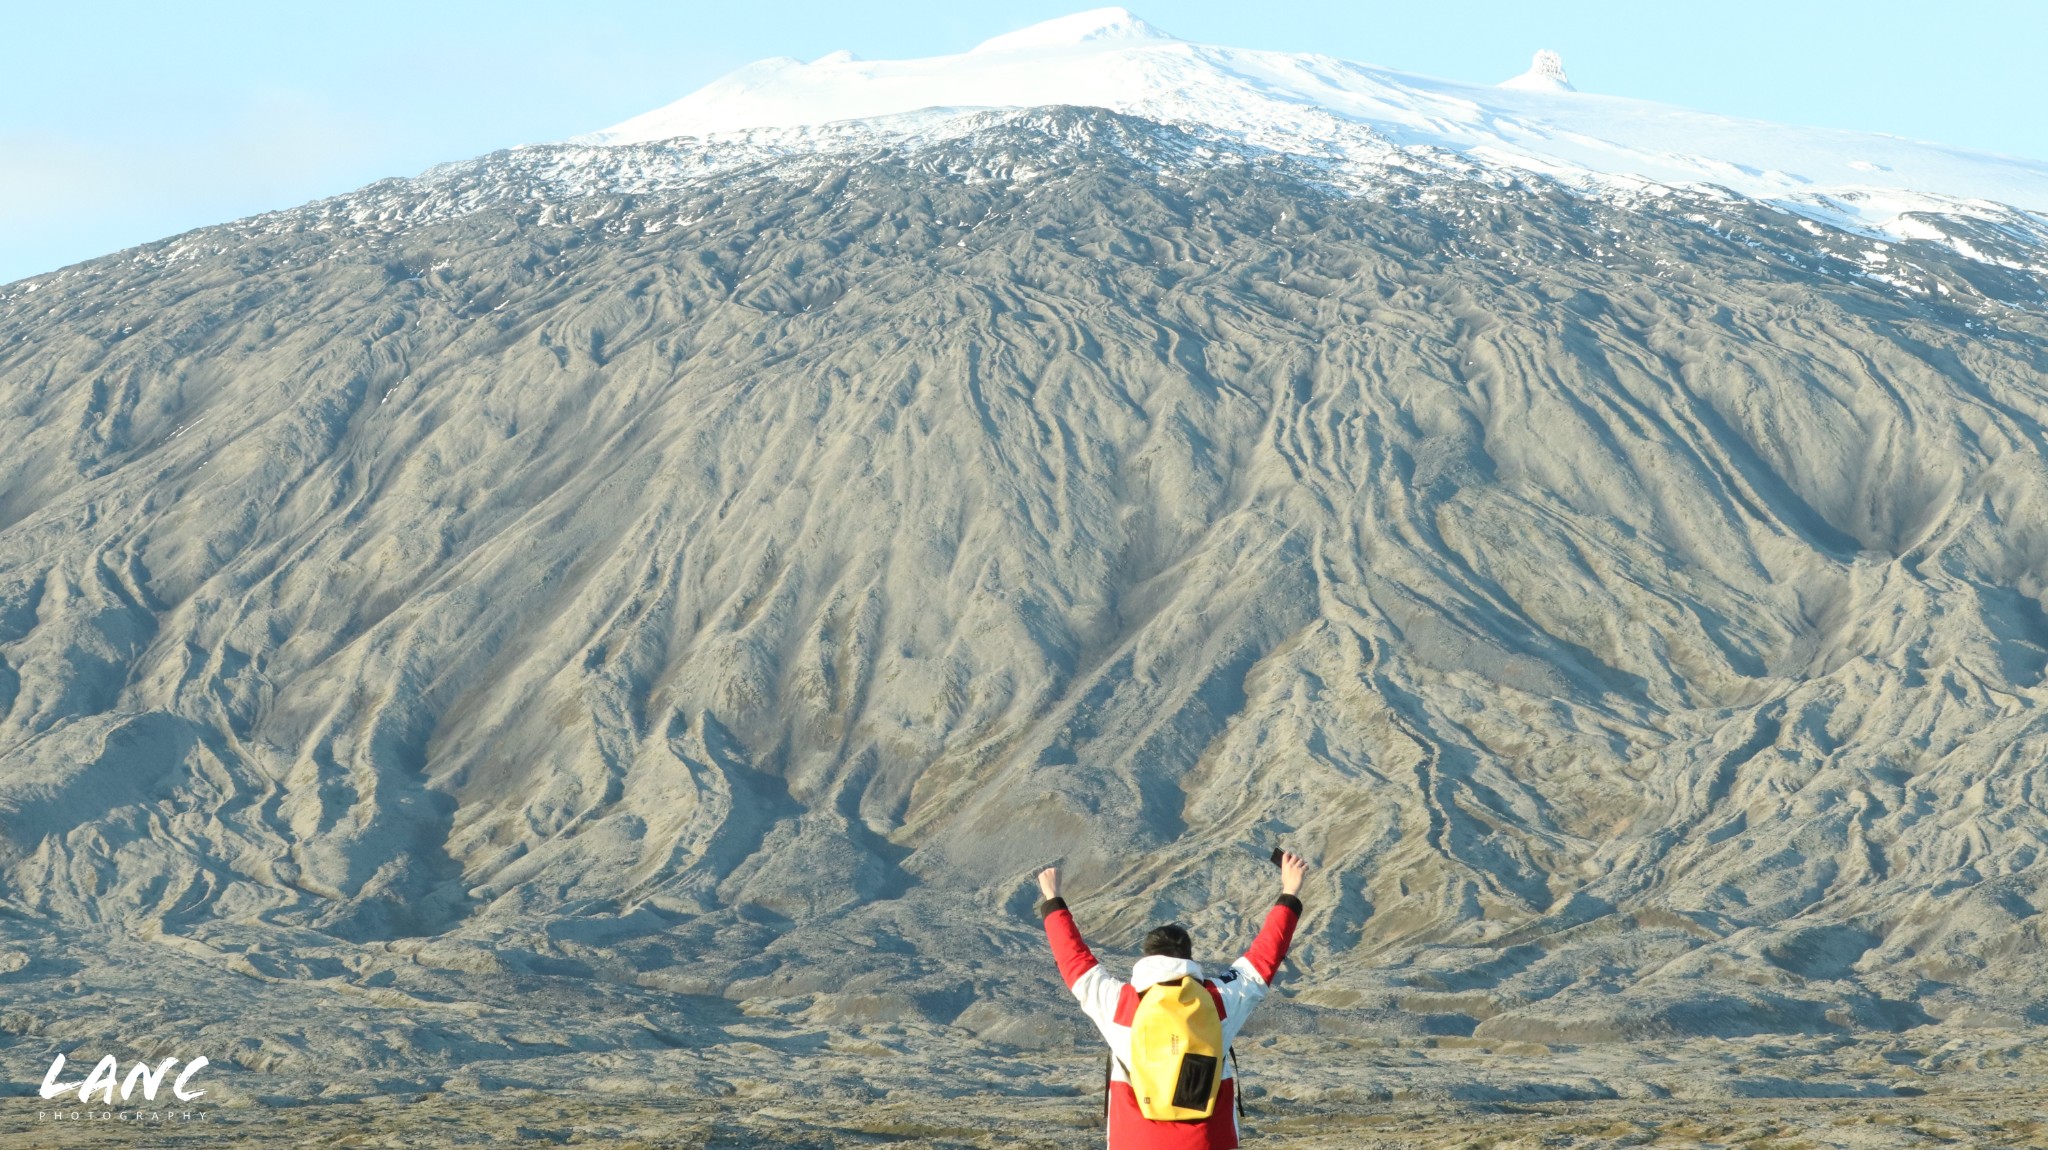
(735,588)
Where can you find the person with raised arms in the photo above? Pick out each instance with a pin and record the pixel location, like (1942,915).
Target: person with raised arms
(1172,1081)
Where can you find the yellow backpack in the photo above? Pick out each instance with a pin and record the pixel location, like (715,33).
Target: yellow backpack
(1176,1052)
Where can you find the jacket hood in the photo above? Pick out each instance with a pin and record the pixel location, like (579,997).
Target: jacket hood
(1154,969)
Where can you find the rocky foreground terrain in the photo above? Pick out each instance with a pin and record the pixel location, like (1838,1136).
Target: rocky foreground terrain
(579,645)
(869,1086)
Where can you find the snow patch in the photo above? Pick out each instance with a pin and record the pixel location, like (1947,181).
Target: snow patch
(1067,31)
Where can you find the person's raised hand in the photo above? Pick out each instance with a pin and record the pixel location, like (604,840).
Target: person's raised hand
(1292,868)
(1049,882)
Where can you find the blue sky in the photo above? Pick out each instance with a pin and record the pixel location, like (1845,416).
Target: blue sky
(125,122)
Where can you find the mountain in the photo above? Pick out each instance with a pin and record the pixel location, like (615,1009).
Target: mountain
(714,570)
(1354,118)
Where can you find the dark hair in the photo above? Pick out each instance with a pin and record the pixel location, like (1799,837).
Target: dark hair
(1171,940)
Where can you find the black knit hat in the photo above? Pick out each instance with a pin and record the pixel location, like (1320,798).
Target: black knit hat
(1171,940)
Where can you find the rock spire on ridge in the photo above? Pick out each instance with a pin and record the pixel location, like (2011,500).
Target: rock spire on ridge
(1545,74)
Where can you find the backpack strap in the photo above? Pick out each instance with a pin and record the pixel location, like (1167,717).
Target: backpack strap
(1215,996)
(1236,1083)
(1127,1001)
(1106,1060)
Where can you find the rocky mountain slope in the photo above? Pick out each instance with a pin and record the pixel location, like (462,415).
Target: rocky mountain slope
(571,580)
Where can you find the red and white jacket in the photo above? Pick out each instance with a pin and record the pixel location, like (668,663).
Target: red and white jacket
(1111,1004)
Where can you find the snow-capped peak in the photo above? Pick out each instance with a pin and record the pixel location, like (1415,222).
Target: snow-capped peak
(1079,28)
(1342,113)
(1545,74)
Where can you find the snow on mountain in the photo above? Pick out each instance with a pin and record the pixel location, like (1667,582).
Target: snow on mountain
(1545,74)
(1317,105)
(1093,26)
